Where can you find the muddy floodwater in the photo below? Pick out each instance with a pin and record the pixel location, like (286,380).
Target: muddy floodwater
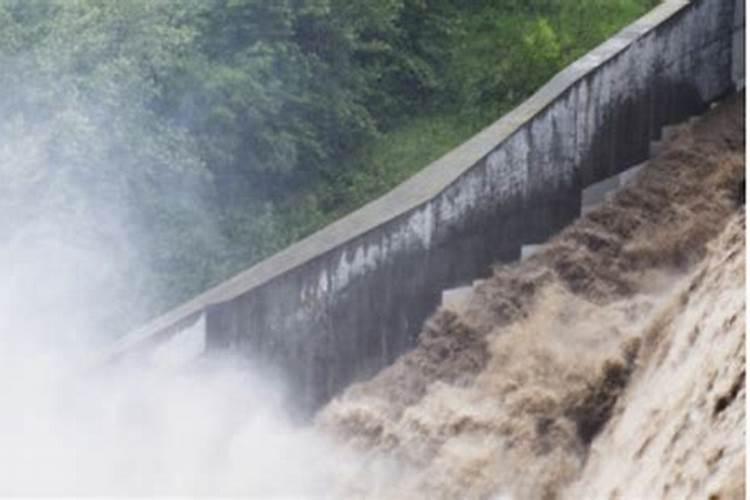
(609,365)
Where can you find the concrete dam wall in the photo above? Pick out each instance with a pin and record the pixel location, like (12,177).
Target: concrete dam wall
(346,301)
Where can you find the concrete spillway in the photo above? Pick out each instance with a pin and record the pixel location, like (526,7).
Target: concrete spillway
(348,300)
(592,197)
(611,364)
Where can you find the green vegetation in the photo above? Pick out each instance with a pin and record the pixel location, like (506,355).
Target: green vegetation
(192,138)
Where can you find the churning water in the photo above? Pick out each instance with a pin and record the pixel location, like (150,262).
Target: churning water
(525,393)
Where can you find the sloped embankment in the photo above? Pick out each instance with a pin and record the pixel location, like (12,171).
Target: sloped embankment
(506,396)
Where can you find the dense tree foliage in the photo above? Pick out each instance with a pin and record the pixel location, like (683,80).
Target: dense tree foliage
(188,139)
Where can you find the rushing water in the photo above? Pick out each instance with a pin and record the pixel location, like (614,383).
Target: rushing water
(506,395)
(501,399)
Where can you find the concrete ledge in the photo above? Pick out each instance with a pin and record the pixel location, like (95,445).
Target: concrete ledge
(456,298)
(629,175)
(596,193)
(529,250)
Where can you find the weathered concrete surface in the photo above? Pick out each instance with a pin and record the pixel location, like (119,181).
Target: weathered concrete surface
(347,300)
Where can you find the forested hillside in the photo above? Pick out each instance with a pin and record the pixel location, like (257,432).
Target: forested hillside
(152,148)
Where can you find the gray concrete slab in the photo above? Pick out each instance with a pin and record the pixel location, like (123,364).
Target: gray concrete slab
(456,298)
(596,193)
(529,250)
(630,175)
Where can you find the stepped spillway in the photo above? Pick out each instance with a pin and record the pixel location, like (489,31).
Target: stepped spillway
(531,388)
(348,300)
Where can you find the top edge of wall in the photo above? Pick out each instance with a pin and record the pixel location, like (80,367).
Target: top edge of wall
(412,193)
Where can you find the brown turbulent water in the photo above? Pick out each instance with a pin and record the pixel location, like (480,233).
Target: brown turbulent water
(609,365)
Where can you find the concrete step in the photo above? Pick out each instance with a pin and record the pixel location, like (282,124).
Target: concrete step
(595,193)
(588,208)
(654,148)
(456,299)
(669,131)
(630,175)
(529,250)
